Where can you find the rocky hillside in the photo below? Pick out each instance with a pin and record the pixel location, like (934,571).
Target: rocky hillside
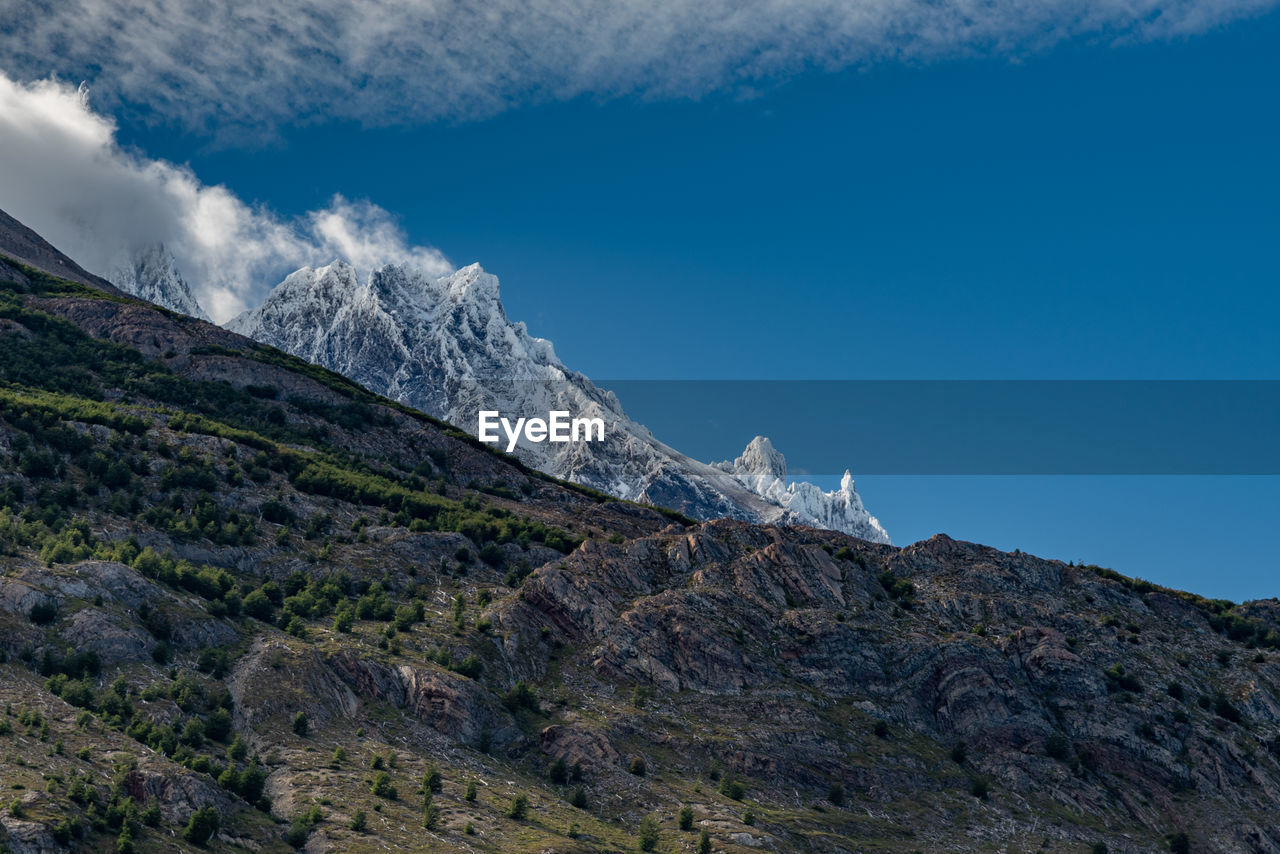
(247,605)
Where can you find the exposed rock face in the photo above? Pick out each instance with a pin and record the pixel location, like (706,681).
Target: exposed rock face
(274,681)
(115,640)
(27,837)
(1004,653)
(177,796)
(580,745)
(453,705)
(445,346)
(110,629)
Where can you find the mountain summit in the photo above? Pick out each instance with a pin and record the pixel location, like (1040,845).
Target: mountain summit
(152,274)
(445,346)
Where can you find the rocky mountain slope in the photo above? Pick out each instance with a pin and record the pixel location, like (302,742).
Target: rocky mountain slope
(247,605)
(446,347)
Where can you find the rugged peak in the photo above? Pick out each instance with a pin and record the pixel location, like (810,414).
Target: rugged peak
(761,458)
(445,346)
(151,273)
(335,281)
(472,283)
(338,273)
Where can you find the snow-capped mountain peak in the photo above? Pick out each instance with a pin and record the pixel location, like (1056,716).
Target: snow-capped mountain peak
(152,274)
(759,458)
(473,283)
(445,345)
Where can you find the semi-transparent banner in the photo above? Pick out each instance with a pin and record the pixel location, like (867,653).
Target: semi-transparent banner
(970,427)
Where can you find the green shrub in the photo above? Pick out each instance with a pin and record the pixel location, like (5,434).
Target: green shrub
(296,835)
(732,788)
(430,813)
(519,809)
(1119,680)
(218,725)
(979,787)
(522,696)
(258,606)
(648,833)
(214,662)
(896,588)
(471,667)
(382,786)
(203,824)
(685,818)
(1223,708)
(193,733)
(343,620)
(277,512)
(43,613)
(406,616)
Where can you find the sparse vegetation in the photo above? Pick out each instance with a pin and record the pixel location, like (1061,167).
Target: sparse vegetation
(284,538)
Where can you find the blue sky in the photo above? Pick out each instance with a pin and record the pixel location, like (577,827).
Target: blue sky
(1095,212)
(1091,210)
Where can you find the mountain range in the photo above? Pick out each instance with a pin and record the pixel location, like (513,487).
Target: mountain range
(445,346)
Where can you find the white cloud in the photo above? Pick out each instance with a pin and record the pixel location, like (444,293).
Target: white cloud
(62,173)
(226,66)
(213,64)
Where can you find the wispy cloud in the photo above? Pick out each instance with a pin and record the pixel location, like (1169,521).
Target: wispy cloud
(63,174)
(223,63)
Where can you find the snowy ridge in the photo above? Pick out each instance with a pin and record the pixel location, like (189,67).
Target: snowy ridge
(152,275)
(445,346)
(763,470)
